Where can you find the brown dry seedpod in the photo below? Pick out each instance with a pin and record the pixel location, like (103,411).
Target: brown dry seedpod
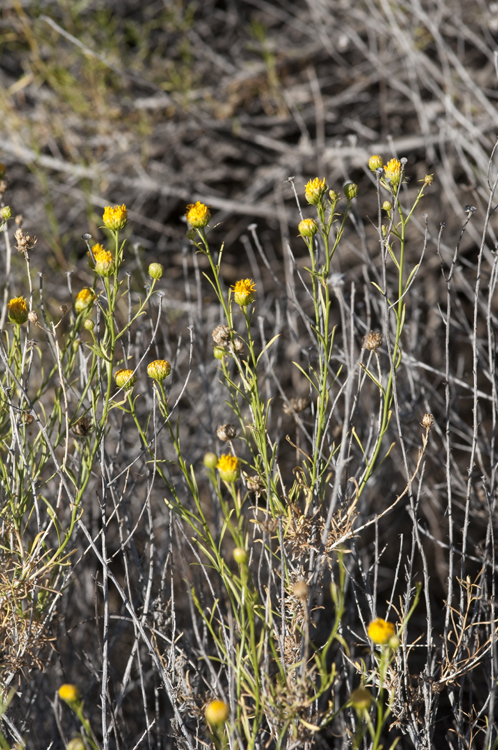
(296,405)
(226,432)
(255,484)
(427,421)
(238,347)
(24,241)
(83,427)
(372,341)
(221,335)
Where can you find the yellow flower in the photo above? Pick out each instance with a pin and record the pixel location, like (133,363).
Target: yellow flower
(392,171)
(229,468)
(104,262)
(243,292)
(84,299)
(125,378)
(17,310)
(217,712)
(115,217)
(380,631)
(69,693)
(375,162)
(198,215)
(159,369)
(315,190)
(308,228)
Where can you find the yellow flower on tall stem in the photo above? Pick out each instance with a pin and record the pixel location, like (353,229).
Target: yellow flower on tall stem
(243,292)
(228,467)
(198,215)
(115,217)
(380,631)
(17,310)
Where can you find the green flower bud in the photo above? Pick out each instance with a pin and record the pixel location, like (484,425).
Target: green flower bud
(156,271)
(350,191)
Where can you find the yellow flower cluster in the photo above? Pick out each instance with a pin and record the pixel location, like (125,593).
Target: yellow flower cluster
(198,215)
(115,217)
(243,292)
(17,310)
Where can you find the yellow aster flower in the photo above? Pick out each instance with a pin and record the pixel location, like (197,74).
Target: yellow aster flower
(198,215)
(375,162)
(229,468)
(380,631)
(159,369)
(315,190)
(17,310)
(84,299)
(217,712)
(125,378)
(392,171)
(115,217)
(243,292)
(104,262)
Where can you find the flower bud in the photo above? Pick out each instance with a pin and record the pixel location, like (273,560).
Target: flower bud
(375,162)
(125,379)
(334,197)
(76,744)
(217,712)
(240,555)
(387,206)
(308,228)
(6,212)
(220,352)
(350,190)
(361,699)
(159,369)
(210,460)
(156,271)
(89,325)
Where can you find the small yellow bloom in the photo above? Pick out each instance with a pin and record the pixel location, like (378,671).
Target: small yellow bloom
(84,299)
(243,292)
(308,228)
(104,262)
(217,712)
(380,631)
(392,171)
(17,310)
(375,162)
(315,190)
(159,369)
(198,215)
(69,693)
(229,468)
(125,378)
(115,217)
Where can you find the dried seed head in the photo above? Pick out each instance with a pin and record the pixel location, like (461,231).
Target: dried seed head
(226,432)
(372,341)
(24,241)
(254,483)
(238,346)
(296,405)
(82,427)
(221,335)
(427,421)
(301,590)
(33,317)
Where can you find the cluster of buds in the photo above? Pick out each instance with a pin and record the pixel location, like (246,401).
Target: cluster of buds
(24,241)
